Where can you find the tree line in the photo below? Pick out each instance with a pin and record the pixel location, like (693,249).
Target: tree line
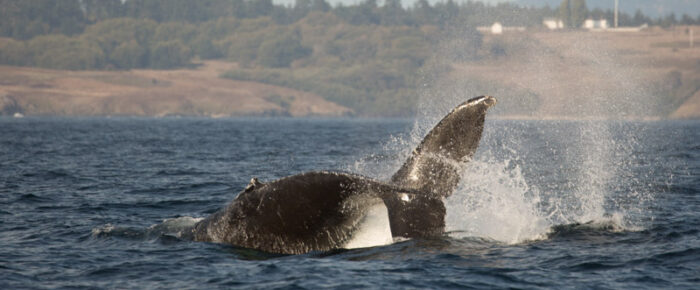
(162,34)
(24,19)
(116,34)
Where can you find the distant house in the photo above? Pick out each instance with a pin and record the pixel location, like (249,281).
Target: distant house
(602,26)
(553,23)
(625,29)
(498,28)
(495,28)
(595,24)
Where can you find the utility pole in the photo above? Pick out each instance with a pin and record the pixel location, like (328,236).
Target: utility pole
(691,38)
(616,10)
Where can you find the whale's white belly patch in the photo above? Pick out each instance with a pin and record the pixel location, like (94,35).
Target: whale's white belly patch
(373,229)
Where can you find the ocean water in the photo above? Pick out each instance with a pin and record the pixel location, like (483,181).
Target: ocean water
(102,203)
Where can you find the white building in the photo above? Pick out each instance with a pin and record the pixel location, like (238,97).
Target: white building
(553,23)
(498,28)
(595,24)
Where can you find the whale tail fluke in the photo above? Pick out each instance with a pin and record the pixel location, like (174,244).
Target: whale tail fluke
(434,166)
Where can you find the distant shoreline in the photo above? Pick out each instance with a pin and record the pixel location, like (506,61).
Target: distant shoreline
(574,85)
(341,118)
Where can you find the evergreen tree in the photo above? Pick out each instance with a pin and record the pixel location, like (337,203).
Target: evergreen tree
(301,9)
(579,12)
(259,8)
(573,12)
(565,13)
(687,20)
(639,18)
(392,13)
(424,13)
(98,10)
(320,5)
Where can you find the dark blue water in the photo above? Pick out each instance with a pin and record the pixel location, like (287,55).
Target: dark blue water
(82,204)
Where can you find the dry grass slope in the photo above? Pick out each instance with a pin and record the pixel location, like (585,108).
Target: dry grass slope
(577,74)
(190,92)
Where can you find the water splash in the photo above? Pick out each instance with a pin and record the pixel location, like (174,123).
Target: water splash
(529,176)
(495,202)
(527,180)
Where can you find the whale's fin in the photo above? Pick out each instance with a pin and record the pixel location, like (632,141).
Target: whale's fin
(252,185)
(434,166)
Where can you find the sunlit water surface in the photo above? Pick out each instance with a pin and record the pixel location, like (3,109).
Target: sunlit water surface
(590,204)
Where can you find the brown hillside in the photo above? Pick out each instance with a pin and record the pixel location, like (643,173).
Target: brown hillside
(649,74)
(194,92)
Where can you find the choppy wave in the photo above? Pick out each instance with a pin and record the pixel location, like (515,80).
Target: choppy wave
(180,228)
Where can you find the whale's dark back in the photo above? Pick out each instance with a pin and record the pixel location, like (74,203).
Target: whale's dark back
(433,166)
(293,215)
(316,211)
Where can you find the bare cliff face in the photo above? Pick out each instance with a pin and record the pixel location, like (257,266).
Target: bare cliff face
(186,92)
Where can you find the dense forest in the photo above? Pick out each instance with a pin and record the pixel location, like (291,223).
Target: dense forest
(111,34)
(363,56)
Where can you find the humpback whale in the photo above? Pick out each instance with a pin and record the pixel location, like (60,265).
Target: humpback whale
(322,211)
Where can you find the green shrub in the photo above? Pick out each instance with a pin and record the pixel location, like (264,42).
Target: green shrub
(113,32)
(13,52)
(128,55)
(280,50)
(169,54)
(62,52)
